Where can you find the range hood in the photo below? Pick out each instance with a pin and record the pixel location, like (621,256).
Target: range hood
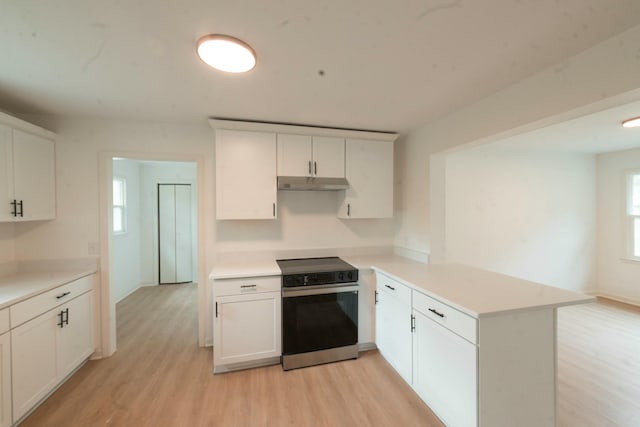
(306,183)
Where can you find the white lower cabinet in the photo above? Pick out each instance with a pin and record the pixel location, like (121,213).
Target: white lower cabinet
(444,372)
(247,323)
(393,321)
(74,342)
(5,380)
(34,361)
(47,348)
(495,370)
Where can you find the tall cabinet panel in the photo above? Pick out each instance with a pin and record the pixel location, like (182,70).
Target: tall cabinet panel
(393,325)
(34,362)
(34,176)
(369,170)
(74,342)
(5,380)
(6,174)
(444,372)
(246,185)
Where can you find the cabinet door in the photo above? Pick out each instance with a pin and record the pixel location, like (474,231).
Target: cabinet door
(34,176)
(369,170)
(393,333)
(444,372)
(6,174)
(5,380)
(328,157)
(247,327)
(246,186)
(294,155)
(74,342)
(34,370)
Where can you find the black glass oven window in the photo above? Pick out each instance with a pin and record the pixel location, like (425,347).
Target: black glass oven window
(319,322)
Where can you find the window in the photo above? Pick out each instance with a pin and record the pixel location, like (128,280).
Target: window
(633,214)
(119,205)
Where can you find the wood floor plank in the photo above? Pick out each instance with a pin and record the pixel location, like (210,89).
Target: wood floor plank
(160,377)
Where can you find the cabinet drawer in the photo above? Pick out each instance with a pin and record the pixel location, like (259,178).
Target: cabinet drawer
(246,285)
(452,319)
(396,289)
(42,303)
(4,320)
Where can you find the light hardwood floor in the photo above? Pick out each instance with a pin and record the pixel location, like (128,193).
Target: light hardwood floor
(599,365)
(160,377)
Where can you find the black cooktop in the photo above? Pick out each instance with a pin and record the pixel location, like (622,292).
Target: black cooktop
(313,265)
(316,271)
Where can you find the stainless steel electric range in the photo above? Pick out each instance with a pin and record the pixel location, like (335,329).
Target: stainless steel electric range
(319,311)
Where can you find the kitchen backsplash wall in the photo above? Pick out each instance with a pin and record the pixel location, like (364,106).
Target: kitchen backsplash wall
(7,249)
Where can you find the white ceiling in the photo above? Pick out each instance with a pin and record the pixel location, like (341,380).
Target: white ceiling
(388,65)
(595,133)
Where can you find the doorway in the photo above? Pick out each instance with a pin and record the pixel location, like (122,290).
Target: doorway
(174,234)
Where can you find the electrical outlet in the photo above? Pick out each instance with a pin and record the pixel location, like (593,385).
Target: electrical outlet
(93,248)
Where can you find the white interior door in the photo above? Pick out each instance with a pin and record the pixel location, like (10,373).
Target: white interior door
(174,233)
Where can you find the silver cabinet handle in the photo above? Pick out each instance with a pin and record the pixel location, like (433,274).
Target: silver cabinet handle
(315,168)
(248,286)
(348,209)
(274,209)
(309,167)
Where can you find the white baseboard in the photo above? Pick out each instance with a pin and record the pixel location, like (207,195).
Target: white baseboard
(366,346)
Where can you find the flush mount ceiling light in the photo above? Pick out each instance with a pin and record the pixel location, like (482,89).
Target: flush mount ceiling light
(631,123)
(226,53)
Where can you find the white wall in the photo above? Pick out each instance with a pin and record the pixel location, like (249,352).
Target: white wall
(525,213)
(125,248)
(617,278)
(152,174)
(608,69)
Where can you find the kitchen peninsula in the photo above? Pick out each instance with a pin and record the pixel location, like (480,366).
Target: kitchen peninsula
(478,347)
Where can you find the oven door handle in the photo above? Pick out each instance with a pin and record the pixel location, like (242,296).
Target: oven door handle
(299,292)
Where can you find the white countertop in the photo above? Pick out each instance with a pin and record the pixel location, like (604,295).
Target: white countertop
(18,287)
(471,290)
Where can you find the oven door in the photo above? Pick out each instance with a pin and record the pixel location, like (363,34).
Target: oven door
(319,319)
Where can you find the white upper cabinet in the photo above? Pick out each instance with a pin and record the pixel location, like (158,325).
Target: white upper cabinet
(369,170)
(315,156)
(6,174)
(34,176)
(246,183)
(27,176)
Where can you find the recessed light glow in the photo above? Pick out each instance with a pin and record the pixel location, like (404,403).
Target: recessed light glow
(226,53)
(631,123)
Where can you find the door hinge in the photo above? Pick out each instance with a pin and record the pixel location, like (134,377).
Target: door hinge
(413,323)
